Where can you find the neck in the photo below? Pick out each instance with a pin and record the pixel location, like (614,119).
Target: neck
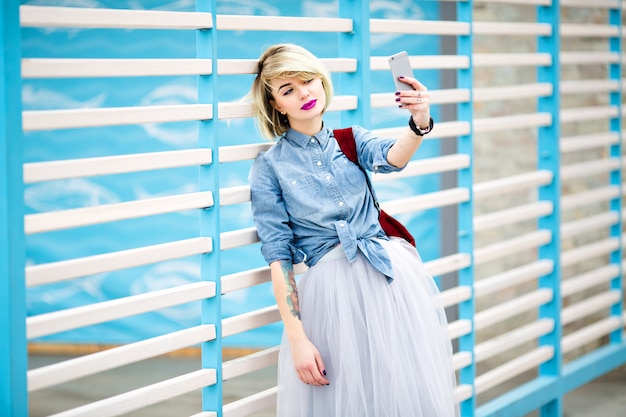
(307,127)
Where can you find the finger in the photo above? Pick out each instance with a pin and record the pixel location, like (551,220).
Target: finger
(413,82)
(321,369)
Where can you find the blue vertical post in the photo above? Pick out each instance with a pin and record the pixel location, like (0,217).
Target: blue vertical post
(466,210)
(356,45)
(13,358)
(210,218)
(549,158)
(615,73)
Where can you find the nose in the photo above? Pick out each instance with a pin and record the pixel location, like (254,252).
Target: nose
(303,91)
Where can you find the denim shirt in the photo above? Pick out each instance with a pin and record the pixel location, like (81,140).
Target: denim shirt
(308,197)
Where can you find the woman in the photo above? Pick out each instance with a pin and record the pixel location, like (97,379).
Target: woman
(364,333)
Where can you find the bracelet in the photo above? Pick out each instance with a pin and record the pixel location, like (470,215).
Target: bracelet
(418,130)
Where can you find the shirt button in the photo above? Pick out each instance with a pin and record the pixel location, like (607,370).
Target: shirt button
(319,163)
(341,204)
(312,140)
(294,182)
(328,177)
(342,225)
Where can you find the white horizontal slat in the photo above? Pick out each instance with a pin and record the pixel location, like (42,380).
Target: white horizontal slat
(250,363)
(587,30)
(441,130)
(600,4)
(205,414)
(461,360)
(513,368)
(513,215)
(249,405)
(63,270)
(512,184)
(427,166)
(64,219)
(82,366)
(234,195)
(588,224)
(459,95)
(511,28)
(463,392)
(381,63)
(283,23)
(580,114)
(588,168)
(511,60)
(107,165)
(512,277)
(238,238)
(455,296)
(585,142)
(509,340)
(588,58)
(506,123)
(242,152)
(590,333)
(513,92)
(589,306)
(245,279)
(459,328)
(589,86)
(249,66)
(93,67)
(588,280)
(75,17)
(447,264)
(586,198)
(513,246)
(426,201)
(512,308)
(113,116)
(592,250)
(242,109)
(251,320)
(142,397)
(419,27)
(74,318)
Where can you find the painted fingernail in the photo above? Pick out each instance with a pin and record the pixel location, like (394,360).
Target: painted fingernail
(324,372)
(402,76)
(397,98)
(397,93)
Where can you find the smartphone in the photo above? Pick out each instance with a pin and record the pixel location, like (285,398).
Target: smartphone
(401,66)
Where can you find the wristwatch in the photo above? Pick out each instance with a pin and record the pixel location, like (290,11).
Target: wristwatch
(418,130)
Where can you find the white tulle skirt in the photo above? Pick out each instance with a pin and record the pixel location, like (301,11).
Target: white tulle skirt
(385,345)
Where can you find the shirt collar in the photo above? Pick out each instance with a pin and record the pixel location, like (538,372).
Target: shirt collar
(303,140)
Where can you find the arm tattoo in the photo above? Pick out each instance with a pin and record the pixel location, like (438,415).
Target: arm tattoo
(292,292)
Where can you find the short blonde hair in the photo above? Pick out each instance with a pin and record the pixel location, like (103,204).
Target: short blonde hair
(278,61)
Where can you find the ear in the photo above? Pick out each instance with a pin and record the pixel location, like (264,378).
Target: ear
(277,108)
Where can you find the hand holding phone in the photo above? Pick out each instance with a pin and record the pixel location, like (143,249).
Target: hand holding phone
(401,67)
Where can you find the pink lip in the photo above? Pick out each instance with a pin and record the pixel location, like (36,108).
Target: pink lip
(308,105)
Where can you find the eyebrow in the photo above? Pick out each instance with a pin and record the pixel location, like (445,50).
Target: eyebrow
(284,85)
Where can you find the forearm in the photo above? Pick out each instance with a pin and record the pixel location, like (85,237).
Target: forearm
(402,151)
(286,294)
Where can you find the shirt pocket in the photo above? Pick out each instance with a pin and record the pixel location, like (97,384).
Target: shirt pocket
(349,176)
(301,195)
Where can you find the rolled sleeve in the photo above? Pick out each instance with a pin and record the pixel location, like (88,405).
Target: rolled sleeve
(373,151)
(270,216)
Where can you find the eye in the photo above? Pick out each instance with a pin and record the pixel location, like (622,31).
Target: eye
(309,81)
(287,91)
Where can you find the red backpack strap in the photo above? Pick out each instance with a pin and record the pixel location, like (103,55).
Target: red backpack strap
(347,144)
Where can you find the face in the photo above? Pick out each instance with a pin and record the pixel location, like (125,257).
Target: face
(302,100)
